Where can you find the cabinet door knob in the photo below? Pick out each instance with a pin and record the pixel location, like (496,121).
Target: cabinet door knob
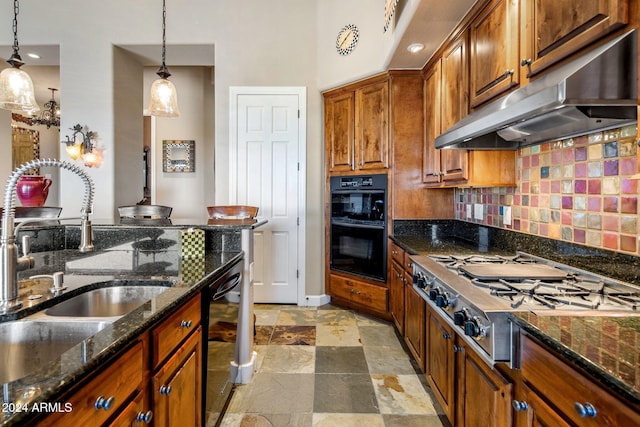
(185,324)
(457,348)
(446,335)
(104,403)
(519,405)
(360,163)
(165,389)
(144,417)
(586,410)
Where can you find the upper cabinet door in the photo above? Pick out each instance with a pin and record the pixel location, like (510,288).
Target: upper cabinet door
(372,126)
(562,27)
(339,131)
(494,50)
(455,82)
(431,171)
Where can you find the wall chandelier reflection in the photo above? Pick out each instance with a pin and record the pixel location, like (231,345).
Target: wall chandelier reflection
(50,114)
(83,144)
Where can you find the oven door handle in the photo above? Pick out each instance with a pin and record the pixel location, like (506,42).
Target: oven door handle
(352,225)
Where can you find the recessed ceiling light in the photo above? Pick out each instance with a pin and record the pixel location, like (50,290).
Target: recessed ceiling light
(33,55)
(415,47)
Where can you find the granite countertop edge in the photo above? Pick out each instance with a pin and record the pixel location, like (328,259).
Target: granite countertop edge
(126,330)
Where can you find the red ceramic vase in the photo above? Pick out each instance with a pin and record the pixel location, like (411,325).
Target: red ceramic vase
(33,190)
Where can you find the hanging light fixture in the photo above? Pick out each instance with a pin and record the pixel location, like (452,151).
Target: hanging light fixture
(50,115)
(16,87)
(163,101)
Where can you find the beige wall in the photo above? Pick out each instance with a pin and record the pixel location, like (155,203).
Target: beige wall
(257,43)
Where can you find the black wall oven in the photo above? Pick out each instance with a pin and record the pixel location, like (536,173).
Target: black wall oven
(358,225)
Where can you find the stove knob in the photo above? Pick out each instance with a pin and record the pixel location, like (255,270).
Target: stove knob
(433,294)
(460,317)
(419,280)
(471,328)
(442,300)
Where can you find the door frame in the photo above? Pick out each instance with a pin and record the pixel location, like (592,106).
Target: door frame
(301,92)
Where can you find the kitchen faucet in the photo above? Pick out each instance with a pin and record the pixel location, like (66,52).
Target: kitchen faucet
(10,263)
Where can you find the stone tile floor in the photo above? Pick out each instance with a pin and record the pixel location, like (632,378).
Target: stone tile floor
(326,366)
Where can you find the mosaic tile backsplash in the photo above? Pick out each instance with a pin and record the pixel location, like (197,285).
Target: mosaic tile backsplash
(578,190)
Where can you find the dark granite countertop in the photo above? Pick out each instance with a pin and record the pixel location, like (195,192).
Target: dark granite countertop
(118,265)
(606,347)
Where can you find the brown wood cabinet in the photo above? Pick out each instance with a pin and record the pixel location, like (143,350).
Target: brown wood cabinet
(409,199)
(359,294)
(177,367)
(165,361)
(107,394)
(554,390)
(556,29)
(440,358)
(396,286)
(470,391)
(177,385)
(455,82)
(494,50)
(357,127)
(458,167)
(415,322)
(406,307)
(339,123)
(483,395)
(372,126)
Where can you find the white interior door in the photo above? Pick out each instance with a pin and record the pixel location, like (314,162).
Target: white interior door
(265,163)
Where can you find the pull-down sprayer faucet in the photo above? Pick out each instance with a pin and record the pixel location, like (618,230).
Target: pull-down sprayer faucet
(10,263)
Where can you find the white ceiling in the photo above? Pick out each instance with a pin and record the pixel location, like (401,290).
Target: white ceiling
(431,23)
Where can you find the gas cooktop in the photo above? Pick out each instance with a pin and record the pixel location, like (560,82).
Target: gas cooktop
(476,292)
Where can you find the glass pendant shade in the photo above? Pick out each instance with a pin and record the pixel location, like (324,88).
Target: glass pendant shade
(163,100)
(16,91)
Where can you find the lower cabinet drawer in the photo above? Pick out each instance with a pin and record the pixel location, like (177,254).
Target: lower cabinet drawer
(372,296)
(577,397)
(175,329)
(105,395)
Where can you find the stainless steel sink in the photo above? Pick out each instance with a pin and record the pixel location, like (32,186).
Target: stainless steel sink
(106,302)
(26,345)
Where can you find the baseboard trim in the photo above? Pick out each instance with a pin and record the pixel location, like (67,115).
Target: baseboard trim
(317,300)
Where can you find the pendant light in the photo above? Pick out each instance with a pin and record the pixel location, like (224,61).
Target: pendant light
(50,115)
(16,87)
(163,101)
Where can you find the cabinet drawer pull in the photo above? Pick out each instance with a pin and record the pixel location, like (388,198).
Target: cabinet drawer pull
(394,252)
(144,417)
(410,265)
(520,405)
(102,403)
(185,324)
(585,411)
(165,389)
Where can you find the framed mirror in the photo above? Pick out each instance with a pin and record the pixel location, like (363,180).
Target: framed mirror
(25,146)
(178,156)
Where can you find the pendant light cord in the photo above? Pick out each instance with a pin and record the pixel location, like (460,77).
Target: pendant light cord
(15,60)
(164,31)
(16,10)
(163,72)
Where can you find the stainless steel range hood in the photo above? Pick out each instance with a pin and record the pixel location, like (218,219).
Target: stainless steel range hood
(594,92)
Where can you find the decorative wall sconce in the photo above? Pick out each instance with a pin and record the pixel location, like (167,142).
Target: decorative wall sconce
(83,144)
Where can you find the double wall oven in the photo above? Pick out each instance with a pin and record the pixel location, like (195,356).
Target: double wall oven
(358,235)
